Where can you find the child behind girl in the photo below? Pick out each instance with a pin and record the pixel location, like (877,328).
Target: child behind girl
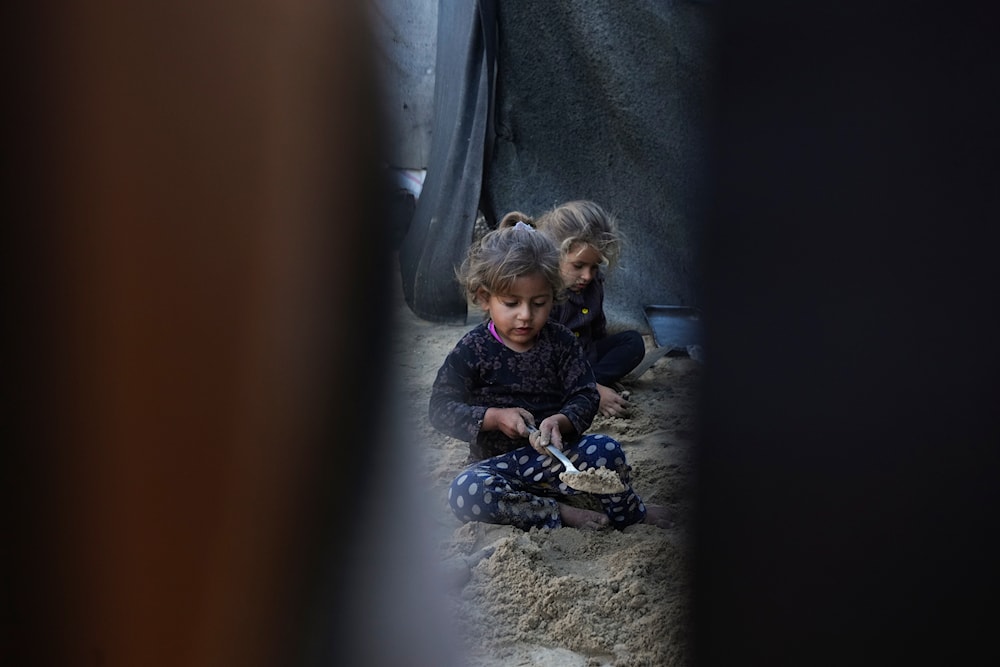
(590,244)
(516,370)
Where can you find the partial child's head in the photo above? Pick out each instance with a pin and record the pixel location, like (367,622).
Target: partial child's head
(515,217)
(588,239)
(512,273)
(505,254)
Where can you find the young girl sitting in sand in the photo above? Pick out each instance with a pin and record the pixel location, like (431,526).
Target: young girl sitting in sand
(512,372)
(590,244)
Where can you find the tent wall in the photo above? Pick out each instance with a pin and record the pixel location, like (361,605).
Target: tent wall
(610,102)
(406,40)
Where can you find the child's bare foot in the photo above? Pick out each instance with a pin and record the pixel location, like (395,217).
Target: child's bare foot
(659,516)
(577,517)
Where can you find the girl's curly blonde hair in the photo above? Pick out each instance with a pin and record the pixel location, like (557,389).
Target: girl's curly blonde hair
(583,222)
(510,251)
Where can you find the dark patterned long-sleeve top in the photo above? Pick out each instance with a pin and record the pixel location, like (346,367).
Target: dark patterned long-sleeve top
(481,372)
(583,313)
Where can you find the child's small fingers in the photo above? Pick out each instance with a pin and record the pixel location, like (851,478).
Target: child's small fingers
(536,442)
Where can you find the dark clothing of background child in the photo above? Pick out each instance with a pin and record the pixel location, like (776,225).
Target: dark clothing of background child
(611,356)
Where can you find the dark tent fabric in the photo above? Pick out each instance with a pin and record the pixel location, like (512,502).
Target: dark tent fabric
(592,100)
(446,211)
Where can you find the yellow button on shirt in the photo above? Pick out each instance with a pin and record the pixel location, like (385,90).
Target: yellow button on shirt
(585,311)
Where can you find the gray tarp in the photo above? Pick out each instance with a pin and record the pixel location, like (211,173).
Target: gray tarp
(441,228)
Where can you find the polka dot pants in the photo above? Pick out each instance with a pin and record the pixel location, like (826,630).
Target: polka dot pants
(522,487)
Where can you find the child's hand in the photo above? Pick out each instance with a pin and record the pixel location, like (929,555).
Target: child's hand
(512,422)
(549,432)
(613,404)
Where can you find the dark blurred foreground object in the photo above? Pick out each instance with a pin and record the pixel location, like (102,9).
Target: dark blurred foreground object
(851,440)
(189,289)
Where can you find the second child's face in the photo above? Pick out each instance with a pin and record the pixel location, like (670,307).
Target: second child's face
(579,266)
(521,313)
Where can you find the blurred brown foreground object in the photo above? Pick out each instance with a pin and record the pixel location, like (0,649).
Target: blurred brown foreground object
(202,178)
